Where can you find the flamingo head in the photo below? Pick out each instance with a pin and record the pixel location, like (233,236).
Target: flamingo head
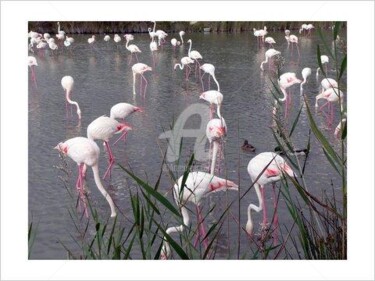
(62,147)
(202,96)
(137,109)
(286,168)
(189,41)
(123,127)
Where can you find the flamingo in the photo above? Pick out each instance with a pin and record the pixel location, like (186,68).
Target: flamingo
(121,111)
(197,186)
(310,26)
(265,168)
(91,40)
(52,45)
(161,36)
(103,128)
(67,83)
(152,31)
(133,49)
(215,130)
(327,83)
(324,60)
(117,39)
(292,39)
(195,55)
(210,69)
(32,62)
(84,152)
(331,95)
(140,68)
(263,32)
(107,38)
(213,97)
(182,33)
(175,43)
(185,61)
(269,54)
(46,36)
(257,34)
(153,48)
(285,81)
(270,41)
(306,72)
(303,28)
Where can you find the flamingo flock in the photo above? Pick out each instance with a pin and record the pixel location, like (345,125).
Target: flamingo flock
(263,169)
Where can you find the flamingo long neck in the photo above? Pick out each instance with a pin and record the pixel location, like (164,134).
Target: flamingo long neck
(95,170)
(217,83)
(182,39)
(180,65)
(285,94)
(317,72)
(154,26)
(73,102)
(126,45)
(218,110)
(190,48)
(215,148)
(58,27)
(134,75)
(249,225)
(261,65)
(301,85)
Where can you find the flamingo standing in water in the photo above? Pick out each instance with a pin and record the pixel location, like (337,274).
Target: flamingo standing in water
(67,83)
(117,40)
(32,62)
(107,38)
(285,81)
(265,168)
(210,69)
(324,60)
(133,49)
(121,111)
(331,95)
(197,186)
(269,54)
(185,61)
(270,41)
(91,40)
(213,97)
(306,72)
(84,152)
(293,40)
(194,55)
(140,68)
(309,28)
(103,128)
(216,129)
(175,43)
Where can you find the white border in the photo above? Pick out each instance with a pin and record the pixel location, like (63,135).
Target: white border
(14,17)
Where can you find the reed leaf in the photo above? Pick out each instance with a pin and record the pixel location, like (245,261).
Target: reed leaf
(343,67)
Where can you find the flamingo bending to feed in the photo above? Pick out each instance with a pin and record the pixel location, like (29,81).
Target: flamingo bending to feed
(269,54)
(210,69)
(103,128)
(306,72)
(270,41)
(213,97)
(324,60)
(265,168)
(285,81)
(197,186)
(107,38)
(140,68)
(32,62)
(331,95)
(185,61)
(67,83)
(84,152)
(121,111)
(327,83)
(216,129)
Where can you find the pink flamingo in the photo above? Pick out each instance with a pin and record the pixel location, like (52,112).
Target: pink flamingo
(215,130)
(270,41)
(195,55)
(306,72)
(140,68)
(210,69)
(213,97)
(185,61)
(327,83)
(84,152)
(103,128)
(121,111)
(285,81)
(331,95)
(292,39)
(175,43)
(133,49)
(32,62)
(197,186)
(269,54)
(265,168)
(67,83)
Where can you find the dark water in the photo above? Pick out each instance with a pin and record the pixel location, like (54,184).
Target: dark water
(103,78)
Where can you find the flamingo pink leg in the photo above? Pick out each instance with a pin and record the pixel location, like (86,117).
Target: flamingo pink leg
(202,81)
(201,229)
(123,136)
(276,217)
(146,83)
(265,221)
(111,160)
(80,188)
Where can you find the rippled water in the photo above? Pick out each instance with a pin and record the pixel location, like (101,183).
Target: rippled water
(103,78)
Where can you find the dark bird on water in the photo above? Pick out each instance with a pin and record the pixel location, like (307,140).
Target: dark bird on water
(247,147)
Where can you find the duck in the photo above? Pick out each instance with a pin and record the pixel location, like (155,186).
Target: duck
(297,152)
(247,147)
